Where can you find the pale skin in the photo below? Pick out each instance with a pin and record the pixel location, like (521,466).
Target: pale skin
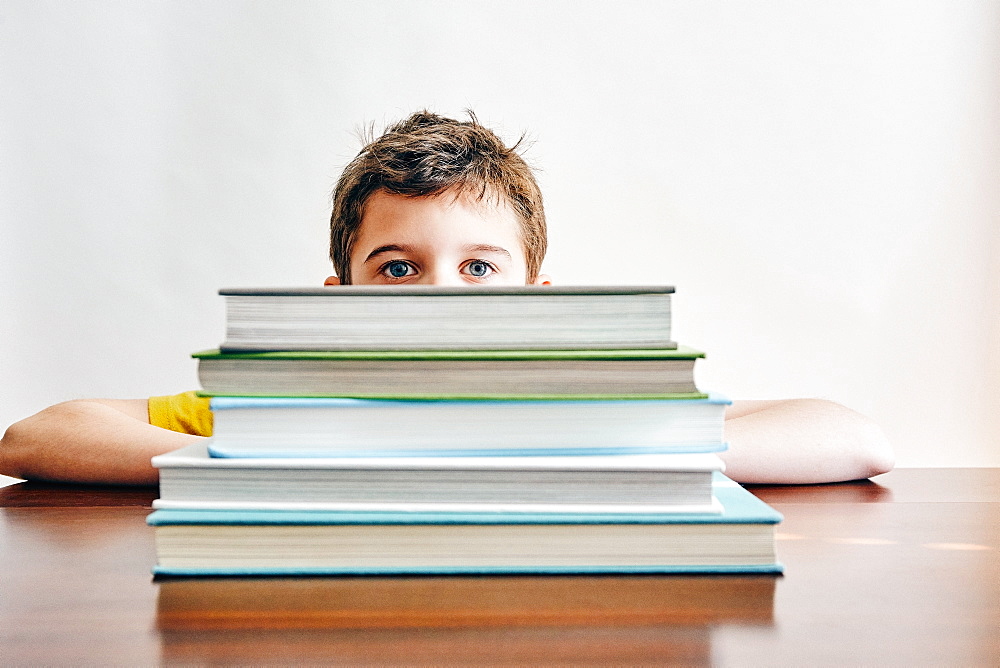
(443,240)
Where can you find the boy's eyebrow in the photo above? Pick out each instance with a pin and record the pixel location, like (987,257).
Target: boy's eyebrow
(471,248)
(389,248)
(487,248)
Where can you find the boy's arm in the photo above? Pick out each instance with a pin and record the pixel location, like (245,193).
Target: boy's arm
(89,441)
(802,441)
(111,441)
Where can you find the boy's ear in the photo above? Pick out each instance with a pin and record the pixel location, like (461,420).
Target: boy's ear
(543,279)
(332,280)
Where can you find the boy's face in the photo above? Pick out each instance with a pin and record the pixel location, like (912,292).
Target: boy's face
(439,240)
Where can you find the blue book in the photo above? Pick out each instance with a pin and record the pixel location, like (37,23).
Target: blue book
(220,542)
(325,427)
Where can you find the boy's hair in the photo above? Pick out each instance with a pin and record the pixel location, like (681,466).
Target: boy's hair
(426,155)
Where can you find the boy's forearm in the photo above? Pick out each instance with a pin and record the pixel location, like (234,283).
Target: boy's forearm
(794,441)
(86,441)
(802,441)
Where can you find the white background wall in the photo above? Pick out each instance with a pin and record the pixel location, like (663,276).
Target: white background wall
(819,180)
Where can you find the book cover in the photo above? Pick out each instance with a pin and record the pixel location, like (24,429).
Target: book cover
(452,374)
(440,318)
(740,539)
(316,427)
(190,478)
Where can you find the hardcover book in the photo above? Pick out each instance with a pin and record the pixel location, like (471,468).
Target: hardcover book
(439,318)
(325,427)
(189,478)
(456,374)
(220,542)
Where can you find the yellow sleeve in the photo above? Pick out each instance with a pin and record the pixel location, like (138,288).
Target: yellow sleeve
(186,412)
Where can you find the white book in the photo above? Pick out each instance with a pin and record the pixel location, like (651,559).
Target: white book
(662,483)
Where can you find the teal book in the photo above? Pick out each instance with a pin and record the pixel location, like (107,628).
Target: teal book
(415,317)
(345,427)
(740,539)
(455,374)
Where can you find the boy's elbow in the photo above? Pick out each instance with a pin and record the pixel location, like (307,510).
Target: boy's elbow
(14,446)
(25,442)
(855,446)
(866,450)
(874,452)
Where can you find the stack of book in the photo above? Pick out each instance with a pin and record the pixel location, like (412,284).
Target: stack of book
(374,430)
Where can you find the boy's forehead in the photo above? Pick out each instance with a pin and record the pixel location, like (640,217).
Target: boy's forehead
(442,216)
(485,203)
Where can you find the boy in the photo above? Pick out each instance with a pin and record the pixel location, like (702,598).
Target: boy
(442,202)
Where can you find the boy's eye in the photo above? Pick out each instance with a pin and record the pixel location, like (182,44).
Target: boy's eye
(479,268)
(398,269)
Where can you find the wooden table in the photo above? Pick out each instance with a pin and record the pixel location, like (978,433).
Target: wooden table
(903,570)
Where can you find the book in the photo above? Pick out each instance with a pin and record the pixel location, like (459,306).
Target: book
(441,318)
(455,374)
(229,542)
(324,427)
(190,478)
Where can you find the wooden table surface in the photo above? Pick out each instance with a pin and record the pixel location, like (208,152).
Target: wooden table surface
(902,570)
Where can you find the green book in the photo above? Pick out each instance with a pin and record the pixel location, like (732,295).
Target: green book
(457,374)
